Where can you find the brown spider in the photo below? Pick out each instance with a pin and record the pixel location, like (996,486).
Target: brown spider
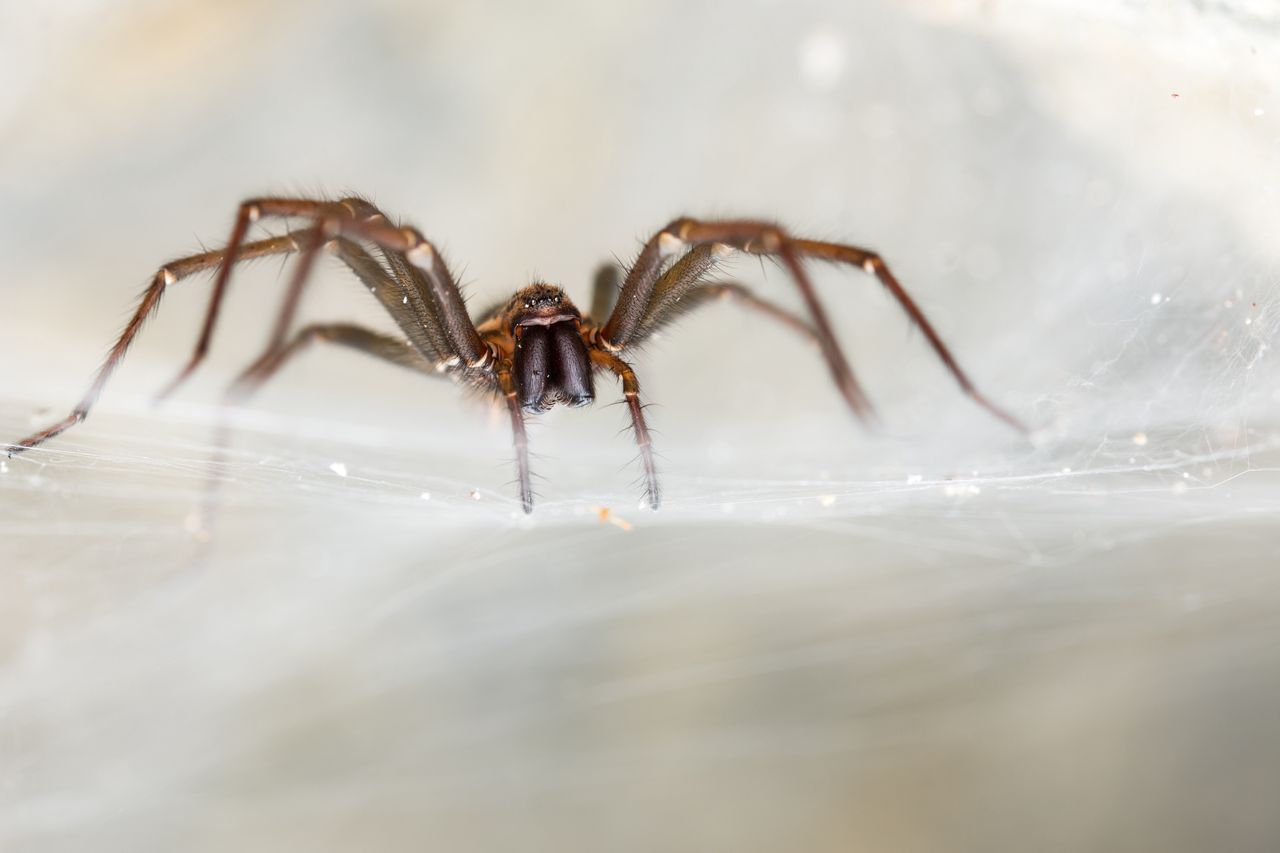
(537,350)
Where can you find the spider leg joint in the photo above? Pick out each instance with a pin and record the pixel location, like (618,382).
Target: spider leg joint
(486,356)
(420,253)
(669,244)
(596,336)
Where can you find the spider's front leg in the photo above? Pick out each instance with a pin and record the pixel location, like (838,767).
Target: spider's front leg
(507,385)
(631,391)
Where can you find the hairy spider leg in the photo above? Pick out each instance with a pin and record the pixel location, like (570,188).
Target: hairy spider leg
(873,264)
(507,385)
(683,234)
(631,391)
(167,275)
(732,291)
(359,261)
(385,347)
(352,218)
(764,238)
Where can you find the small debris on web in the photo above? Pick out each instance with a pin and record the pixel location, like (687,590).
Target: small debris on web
(961,490)
(474,494)
(607,516)
(914,479)
(1156,298)
(426,496)
(1140,439)
(4,467)
(827,500)
(339,469)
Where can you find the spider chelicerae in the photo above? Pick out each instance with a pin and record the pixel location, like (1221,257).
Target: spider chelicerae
(535,351)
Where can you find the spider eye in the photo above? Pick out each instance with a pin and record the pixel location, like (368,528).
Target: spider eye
(543,298)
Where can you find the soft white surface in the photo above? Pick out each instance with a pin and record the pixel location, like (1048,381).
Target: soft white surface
(933,636)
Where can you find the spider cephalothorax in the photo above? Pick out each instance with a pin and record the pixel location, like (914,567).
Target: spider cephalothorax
(535,351)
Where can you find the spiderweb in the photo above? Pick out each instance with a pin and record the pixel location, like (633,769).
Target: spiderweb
(936,634)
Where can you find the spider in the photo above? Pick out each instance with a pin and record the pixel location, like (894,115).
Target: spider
(535,351)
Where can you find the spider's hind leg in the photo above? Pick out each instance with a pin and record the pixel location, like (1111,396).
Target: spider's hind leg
(378,345)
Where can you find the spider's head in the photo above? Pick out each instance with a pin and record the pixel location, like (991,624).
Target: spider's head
(539,305)
(551,360)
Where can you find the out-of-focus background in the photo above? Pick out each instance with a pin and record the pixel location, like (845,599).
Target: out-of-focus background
(935,635)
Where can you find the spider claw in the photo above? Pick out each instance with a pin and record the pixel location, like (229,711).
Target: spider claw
(526,497)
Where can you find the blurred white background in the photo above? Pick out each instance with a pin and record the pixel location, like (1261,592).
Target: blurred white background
(932,636)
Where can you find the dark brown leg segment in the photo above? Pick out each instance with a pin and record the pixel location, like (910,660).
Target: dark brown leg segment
(732,291)
(384,347)
(873,264)
(631,391)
